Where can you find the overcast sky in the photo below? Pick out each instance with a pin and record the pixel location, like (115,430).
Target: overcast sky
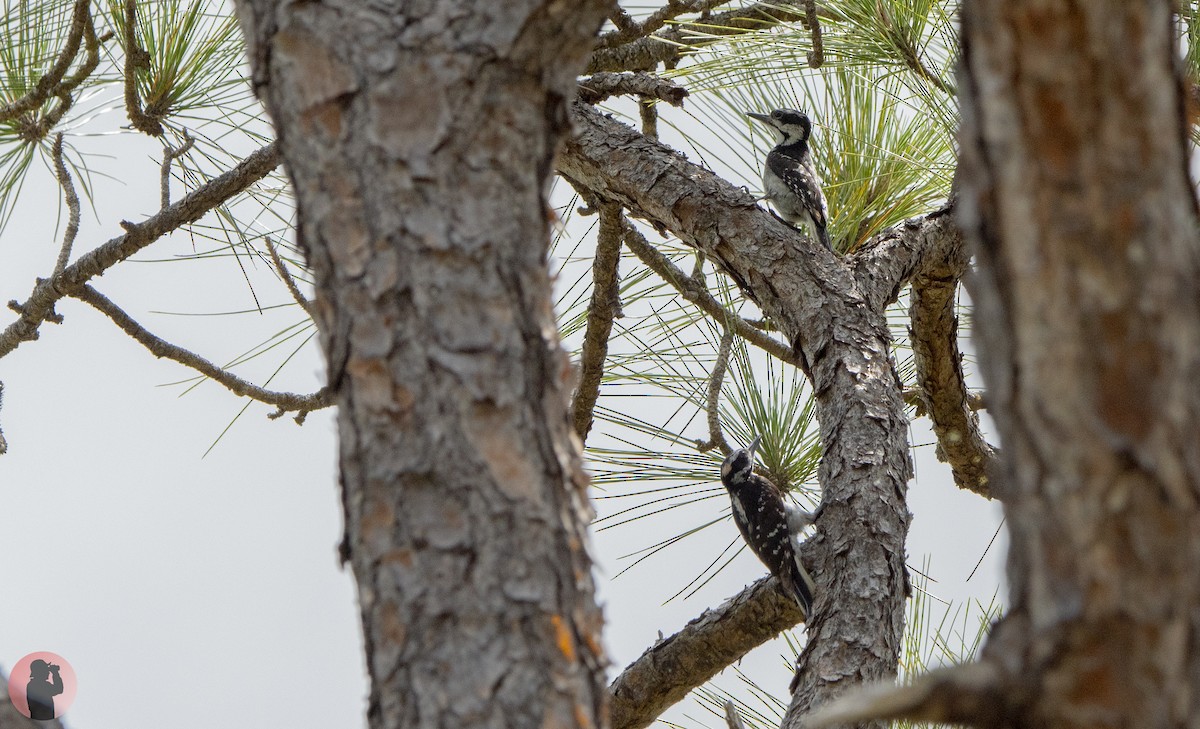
(205,590)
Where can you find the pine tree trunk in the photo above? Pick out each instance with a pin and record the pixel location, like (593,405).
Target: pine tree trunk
(1077,198)
(420,137)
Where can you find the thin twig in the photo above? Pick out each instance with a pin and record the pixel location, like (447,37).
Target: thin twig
(603,307)
(136,59)
(49,84)
(712,404)
(817,55)
(286,275)
(64,181)
(161,348)
(170,154)
(39,306)
(695,292)
(673,9)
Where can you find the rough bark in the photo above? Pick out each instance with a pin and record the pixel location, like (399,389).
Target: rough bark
(675,665)
(858,551)
(1077,199)
(419,137)
(943,387)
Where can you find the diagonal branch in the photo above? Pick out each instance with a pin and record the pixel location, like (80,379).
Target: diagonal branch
(288,280)
(656,183)
(40,305)
(161,348)
(672,667)
(697,293)
(603,307)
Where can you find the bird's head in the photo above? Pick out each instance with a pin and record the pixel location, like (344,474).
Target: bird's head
(790,126)
(739,465)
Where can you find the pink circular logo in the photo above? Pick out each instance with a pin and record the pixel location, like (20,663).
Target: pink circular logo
(42,685)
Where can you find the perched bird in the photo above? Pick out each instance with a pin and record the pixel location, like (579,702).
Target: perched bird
(790,179)
(768,523)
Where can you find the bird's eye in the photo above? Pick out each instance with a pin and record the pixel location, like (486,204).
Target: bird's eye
(776,114)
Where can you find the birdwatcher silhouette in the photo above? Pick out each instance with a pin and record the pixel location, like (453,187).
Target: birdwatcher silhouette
(40,692)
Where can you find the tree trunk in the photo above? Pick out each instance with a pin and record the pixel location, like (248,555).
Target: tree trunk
(420,137)
(1077,199)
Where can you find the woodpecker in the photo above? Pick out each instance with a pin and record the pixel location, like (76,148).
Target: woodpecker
(790,180)
(768,523)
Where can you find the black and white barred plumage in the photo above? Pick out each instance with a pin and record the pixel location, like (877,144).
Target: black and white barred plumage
(790,180)
(769,524)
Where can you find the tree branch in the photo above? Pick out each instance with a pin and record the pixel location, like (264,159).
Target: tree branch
(40,305)
(136,59)
(673,9)
(64,181)
(606,286)
(286,275)
(669,46)
(817,55)
(603,85)
(656,183)
(285,401)
(170,154)
(887,263)
(943,388)
(712,404)
(672,667)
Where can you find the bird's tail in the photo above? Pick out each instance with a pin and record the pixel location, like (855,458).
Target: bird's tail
(800,587)
(823,234)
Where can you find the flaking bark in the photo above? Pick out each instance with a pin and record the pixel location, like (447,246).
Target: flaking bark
(419,139)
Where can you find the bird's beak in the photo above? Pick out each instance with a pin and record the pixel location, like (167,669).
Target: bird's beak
(764,118)
(754,446)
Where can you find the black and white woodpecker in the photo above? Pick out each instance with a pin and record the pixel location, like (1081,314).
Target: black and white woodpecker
(769,524)
(790,180)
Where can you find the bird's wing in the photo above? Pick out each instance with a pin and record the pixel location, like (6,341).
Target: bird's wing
(800,176)
(798,519)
